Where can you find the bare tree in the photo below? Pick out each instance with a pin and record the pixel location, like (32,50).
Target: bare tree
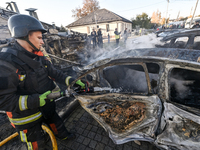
(88,7)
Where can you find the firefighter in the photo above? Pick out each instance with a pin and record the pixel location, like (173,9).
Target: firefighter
(117,36)
(26,79)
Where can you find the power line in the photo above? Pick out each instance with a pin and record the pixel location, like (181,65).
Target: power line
(142,7)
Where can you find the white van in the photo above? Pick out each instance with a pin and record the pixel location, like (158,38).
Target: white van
(187,23)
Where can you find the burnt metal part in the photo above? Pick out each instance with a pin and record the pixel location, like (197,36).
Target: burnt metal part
(188,43)
(64,47)
(165,32)
(165,113)
(123,115)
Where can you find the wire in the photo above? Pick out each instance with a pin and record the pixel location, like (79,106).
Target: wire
(142,7)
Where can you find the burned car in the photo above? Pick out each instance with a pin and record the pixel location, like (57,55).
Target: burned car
(189,39)
(164,32)
(146,95)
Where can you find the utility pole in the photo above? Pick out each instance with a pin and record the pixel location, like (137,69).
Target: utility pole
(166,12)
(178,15)
(193,13)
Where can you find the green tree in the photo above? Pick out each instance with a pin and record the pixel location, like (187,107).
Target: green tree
(62,29)
(143,20)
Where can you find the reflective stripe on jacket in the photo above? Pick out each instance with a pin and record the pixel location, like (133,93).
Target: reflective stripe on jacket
(26,120)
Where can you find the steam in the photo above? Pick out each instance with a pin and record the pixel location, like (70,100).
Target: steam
(180,86)
(126,79)
(134,42)
(145,41)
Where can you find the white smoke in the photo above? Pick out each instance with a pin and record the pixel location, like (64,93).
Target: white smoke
(180,86)
(134,42)
(145,41)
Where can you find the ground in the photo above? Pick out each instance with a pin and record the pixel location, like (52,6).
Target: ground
(90,135)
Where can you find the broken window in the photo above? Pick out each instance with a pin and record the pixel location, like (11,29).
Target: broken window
(107,28)
(196,43)
(185,87)
(128,78)
(180,42)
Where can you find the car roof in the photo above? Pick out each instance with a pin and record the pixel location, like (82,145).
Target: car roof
(157,54)
(182,33)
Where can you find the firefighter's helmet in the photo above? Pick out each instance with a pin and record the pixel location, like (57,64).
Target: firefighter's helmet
(20,25)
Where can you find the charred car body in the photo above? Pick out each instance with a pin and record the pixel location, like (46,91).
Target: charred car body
(148,95)
(189,39)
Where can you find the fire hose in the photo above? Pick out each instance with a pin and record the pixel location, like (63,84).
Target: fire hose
(45,128)
(56,95)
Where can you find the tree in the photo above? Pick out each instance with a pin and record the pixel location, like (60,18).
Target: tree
(142,20)
(156,17)
(162,21)
(62,29)
(88,7)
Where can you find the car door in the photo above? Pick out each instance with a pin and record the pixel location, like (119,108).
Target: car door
(124,101)
(181,118)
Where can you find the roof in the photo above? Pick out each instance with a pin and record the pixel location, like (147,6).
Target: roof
(182,33)
(102,16)
(163,54)
(6,13)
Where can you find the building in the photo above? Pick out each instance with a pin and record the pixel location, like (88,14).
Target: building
(102,18)
(10,10)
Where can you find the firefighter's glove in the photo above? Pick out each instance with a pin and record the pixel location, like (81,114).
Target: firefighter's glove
(81,84)
(43,98)
(78,83)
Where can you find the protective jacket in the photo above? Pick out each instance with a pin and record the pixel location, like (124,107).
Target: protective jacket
(23,77)
(117,35)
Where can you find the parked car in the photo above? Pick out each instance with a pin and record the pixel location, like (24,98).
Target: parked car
(187,23)
(146,95)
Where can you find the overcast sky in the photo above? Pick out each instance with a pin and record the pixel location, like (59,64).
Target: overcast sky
(59,11)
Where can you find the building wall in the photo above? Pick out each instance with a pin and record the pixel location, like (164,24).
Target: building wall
(4,32)
(104,28)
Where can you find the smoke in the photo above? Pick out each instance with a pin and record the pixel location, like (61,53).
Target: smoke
(180,87)
(134,42)
(126,78)
(145,41)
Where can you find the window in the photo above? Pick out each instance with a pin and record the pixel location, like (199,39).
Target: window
(129,78)
(97,26)
(107,28)
(185,87)
(196,43)
(153,70)
(180,42)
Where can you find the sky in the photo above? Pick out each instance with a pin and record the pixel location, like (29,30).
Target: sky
(60,11)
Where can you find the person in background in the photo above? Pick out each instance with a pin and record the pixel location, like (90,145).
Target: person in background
(117,36)
(100,40)
(93,36)
(125,35)
(129,33)
(108,38)
(196,25)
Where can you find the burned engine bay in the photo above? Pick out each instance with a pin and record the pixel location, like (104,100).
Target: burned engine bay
(151,96)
